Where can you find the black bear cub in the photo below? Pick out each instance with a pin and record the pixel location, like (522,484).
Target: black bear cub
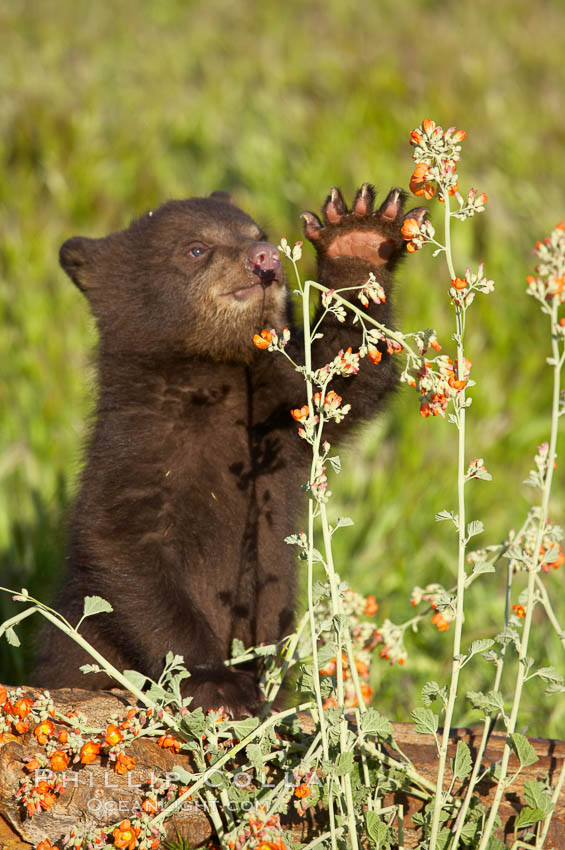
(194,465)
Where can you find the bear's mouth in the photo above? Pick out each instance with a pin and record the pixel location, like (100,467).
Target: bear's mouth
(243,293)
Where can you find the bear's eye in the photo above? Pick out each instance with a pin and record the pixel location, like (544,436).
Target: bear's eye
(197,250)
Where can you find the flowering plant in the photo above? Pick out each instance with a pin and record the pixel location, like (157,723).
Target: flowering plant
(348,758)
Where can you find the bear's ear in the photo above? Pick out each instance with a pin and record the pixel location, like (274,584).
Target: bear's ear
(219,195)
(75,256)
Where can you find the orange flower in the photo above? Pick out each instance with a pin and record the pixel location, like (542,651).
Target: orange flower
(32,764)
(374,354)
(361,667)
(300,413)
(3,694)
(44,845)
(329,669)
(459,135)
(22,706)
(481,199)
(89,751)
(441,622)
(21,727)
(559,561)
(410,228)
(519,610)
(149,806)
(168,742)
(371,606)
(420,174)
(301,791)
(428,125)
(182,790)
(125,835)
(63,736)
(367,693)
(47,800)
(459,283)
(123,764)
(43,730)
(264,340)
(333,397)
(415,137)
(113,735)
(59,760)
(272,845)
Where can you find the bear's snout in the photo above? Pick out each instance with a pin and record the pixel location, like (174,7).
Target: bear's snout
(264,260)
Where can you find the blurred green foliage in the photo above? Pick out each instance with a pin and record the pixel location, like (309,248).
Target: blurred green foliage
(107,109)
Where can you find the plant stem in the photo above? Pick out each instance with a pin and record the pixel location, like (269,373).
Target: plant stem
(532,574)
(458,623)
(545,601)
(554,799)
(487,729)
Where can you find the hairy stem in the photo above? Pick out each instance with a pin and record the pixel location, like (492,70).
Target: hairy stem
(458,623)
(532,574)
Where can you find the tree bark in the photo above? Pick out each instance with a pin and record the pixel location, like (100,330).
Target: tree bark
(97,797)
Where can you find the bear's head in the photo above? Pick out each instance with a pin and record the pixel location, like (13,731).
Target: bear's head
(194,277)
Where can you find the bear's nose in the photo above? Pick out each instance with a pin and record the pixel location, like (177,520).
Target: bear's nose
(264,261)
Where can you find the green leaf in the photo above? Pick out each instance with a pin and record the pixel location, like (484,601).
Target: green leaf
(483,567)
(463,761)
(254,754)
(335,463)
(537,797)
(425,721)
(180,774)
(474,528)
(550,675)
(480,646)
(95,605)
(496,844)
(432,691)
(490,703)
(12,637)
(326,653)
(443,515)
(377,829)
(136,679)
(90,668)
(194,722)
(509,635)
(343,522)
(523,749)
(528,816)
(237,648)
(344,764)
(320,591)
(373,723)
(243,728)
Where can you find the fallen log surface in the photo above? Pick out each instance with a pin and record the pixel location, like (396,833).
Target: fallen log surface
(97,797)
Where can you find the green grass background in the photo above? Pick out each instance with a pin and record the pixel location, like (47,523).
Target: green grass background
(107,109)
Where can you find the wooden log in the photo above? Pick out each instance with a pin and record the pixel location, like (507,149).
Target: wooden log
(96,796)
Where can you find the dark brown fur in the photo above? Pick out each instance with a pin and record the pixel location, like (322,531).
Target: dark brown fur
(193,468)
